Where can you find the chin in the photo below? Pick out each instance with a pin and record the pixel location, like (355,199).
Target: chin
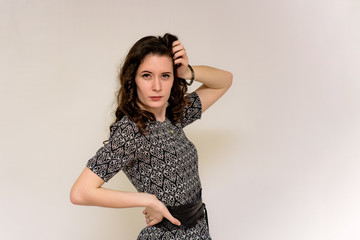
(156,105)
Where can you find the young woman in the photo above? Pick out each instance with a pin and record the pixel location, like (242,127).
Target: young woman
(148,143)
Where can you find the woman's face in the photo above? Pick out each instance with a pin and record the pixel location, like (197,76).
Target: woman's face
(154,79)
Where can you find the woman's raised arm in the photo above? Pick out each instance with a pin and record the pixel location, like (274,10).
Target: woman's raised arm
(215,82)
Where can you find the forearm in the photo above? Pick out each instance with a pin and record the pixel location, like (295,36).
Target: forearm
(211,77)
(104,197)
(88,190)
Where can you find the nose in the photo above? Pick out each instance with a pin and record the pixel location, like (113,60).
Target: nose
(156,85)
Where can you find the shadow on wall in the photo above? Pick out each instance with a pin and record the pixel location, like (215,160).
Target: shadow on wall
(214,145)
(129,221)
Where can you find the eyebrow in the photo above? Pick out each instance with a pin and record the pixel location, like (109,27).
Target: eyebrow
(147,71)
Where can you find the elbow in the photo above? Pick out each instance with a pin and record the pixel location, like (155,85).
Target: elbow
(229,79)
(77,196)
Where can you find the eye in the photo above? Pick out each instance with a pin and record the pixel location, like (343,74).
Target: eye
(165,76)
(146,76)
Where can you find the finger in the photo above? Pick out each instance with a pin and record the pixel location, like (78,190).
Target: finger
(180,54)
(176,43)
(173,220)
(180,61)
(152,222)
(144,212)
(178,51)
(177,48)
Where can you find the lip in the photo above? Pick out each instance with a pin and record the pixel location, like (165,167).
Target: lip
(156,98)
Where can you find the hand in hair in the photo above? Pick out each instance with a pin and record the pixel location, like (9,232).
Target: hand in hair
(181,60)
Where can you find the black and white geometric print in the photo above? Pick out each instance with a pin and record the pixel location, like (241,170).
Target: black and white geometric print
(163,162)
(199,231)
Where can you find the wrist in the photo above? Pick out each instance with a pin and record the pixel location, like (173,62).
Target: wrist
(150,199)
(192,75)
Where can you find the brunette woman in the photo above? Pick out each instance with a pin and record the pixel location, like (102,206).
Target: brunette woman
(148,143)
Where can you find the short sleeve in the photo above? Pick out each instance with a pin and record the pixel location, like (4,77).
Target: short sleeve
(192,112)
(118,151)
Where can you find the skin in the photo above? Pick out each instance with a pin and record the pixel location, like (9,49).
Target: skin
(151,81)
(154,80)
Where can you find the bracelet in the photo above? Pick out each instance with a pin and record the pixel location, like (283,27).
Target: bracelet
(192,76)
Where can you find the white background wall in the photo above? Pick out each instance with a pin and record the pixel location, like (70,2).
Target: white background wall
(279,154)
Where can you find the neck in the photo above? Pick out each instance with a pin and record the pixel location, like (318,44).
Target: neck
(159,113)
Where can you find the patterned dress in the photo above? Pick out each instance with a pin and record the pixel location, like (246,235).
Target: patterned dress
(163,162)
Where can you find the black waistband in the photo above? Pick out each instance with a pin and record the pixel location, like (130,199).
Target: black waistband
(187,214)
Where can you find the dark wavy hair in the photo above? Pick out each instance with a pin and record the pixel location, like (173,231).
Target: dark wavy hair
(127,94)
